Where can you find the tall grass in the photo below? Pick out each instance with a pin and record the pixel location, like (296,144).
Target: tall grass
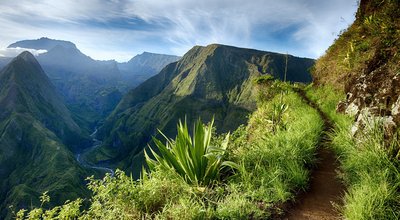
(368,167)
(271,168)
(276,166)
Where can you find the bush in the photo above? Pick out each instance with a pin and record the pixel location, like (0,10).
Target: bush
(193,158)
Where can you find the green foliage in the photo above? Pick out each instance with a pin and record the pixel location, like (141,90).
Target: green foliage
(214,81)
(193,158)
(371,174)
(264,79)
(273,166)
(369,167)
(237,206)
(372,39)
(277,116)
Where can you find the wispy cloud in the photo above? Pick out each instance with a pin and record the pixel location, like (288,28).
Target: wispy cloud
(120,28)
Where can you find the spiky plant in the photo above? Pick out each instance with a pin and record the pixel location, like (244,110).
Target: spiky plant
(193,158)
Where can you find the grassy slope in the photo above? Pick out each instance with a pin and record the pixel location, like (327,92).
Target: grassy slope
(208,81)
(39,163)
(370,42)
(368,166)
(274,168)
(364,64)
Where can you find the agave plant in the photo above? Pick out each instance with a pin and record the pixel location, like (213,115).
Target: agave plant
(193,158)
(277,116)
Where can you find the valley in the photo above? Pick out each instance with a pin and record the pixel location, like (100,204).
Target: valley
(219,132)
(81,156)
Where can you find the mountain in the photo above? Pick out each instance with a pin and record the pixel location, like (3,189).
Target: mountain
(26,88)
(92,88)
(43,43)
(364,63)
(213,81)
(89,87)
(143,66)
(37,137)
(4,61)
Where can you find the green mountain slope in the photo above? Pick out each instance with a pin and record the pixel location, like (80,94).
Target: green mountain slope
(213,81)
(91,88)
(364,63)
(35,130)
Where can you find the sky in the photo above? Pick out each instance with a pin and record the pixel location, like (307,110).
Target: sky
(120,29)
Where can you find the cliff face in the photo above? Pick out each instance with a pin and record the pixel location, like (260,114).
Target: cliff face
(364,62)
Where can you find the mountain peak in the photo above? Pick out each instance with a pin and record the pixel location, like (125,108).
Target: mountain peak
(27,56)
(25,87)
(25,70)
(43,43)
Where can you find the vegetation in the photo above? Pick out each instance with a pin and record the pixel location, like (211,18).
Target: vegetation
(369,43)
(35,128)
(369,166)
(271,169)
(194,159)
(215,81)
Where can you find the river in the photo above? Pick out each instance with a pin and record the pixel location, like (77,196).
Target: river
(81,159)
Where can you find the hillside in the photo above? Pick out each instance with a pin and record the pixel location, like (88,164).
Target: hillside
(213,81)
(36,139)
(358,87)
(91,88)
(25,88)
(328,150)
(364,63)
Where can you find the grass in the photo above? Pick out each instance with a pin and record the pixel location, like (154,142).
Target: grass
(271,168)
(372,38)
(368,165)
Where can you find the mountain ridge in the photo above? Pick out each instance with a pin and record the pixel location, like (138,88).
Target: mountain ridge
(37,137)
(22,81)
(91,88)
(212,81)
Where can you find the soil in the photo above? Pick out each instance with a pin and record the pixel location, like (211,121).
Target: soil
(323,197)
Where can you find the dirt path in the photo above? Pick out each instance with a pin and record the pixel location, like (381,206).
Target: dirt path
(325,188)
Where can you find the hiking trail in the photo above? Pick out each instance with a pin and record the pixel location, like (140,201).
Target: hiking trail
(325,191)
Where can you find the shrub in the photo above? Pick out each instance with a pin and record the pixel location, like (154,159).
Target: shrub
(193,158)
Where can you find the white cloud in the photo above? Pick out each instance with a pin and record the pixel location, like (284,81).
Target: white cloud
(178,24)
(13,52)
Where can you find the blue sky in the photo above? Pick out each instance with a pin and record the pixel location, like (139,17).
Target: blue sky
(120,29)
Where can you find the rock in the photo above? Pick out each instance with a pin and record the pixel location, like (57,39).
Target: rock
(341,107)
(396,107)
(352,109)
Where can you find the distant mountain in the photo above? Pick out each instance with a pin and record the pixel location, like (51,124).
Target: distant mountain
(144,66)
(37,134)
(42,44)
(216,80)
(90,87)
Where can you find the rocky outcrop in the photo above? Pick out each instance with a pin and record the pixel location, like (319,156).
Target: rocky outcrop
(364,63)
(374,94)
